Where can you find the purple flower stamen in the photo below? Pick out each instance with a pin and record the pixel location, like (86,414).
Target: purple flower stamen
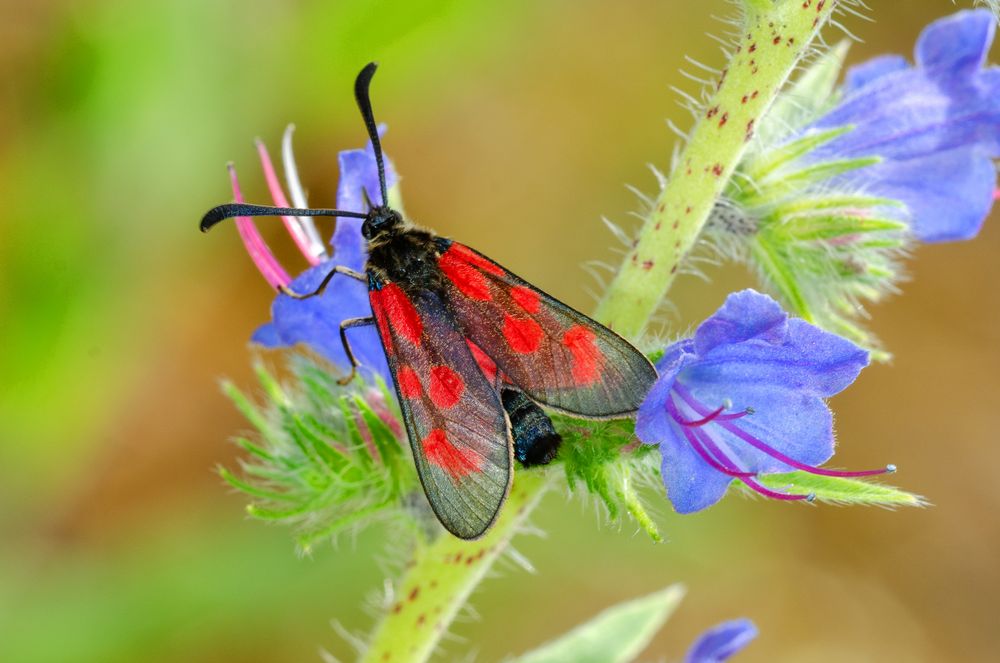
(727,466)
(698,446)
(726,423)
(774,495)
(713,416)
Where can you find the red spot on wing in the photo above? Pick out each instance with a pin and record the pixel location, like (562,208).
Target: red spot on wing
(587,357)
(446,386)
(460,271)
(486,365)
(409,382)
(397,308)
(380,320)
(526,298)
(524,335)
(441,452)
(465,254)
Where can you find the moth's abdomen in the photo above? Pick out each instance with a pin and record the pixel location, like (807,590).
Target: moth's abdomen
(535,438)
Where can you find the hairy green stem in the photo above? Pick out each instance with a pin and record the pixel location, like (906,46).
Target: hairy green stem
(773,38)
(443,574)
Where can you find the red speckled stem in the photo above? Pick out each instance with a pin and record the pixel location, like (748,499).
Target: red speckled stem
(774,36)
(441,577)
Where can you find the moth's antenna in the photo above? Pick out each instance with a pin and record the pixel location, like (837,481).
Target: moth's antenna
(361,84)
(229,210)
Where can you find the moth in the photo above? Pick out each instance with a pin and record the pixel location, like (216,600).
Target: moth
(474,351)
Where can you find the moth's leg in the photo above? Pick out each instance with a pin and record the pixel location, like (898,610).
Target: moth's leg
(344,326)
(339,269)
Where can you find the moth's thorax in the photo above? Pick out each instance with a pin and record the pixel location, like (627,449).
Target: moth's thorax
(407,256)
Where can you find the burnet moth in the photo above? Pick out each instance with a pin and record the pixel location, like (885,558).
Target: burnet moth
(474,350)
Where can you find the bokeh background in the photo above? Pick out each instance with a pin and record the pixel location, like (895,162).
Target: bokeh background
(516,126)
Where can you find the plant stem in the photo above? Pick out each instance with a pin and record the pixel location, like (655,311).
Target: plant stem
(773,38)
(441,577)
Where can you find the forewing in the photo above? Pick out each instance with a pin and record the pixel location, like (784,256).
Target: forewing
(554,353)
(455,420)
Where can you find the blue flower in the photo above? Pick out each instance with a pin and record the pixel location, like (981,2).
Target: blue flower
(722,641)
(315,322)
(935,125)
(743,397)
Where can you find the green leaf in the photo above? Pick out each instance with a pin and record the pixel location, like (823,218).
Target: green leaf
(617,635)
(840,490)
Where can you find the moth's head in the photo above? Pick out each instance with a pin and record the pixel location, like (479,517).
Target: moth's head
(381,221)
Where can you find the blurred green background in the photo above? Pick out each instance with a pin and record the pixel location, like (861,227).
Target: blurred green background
(515,126)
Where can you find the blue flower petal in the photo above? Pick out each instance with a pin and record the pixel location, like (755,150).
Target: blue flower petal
(267,336)
(750,340)
(861,75)
(957,44)
(948,194)
(316,321)
(652,420)
(908,114)
(745,315)
(922,121)
(720,642)
(692,484)
(796,423)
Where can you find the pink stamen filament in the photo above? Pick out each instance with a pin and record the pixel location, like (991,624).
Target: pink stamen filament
(712,416)
(747,478)
(311,252)
(297,194)
(767,492)
(704,445)
(710,452)
(701,409)
(698,445)
(270,269)
(694,423)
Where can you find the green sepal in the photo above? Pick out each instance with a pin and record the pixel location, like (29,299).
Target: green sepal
(841,490)
(833,226)
(323,459)
(606,459)
(759,166)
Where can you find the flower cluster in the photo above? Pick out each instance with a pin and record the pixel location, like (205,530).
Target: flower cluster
(838,183)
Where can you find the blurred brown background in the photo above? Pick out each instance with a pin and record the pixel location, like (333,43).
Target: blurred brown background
(515,126)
